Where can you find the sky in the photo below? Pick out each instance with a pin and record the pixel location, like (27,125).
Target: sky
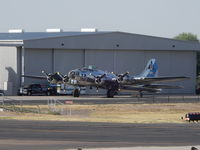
(163,18)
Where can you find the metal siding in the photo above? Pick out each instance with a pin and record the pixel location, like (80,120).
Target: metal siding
(114,40)
(129,60)
(66,60)
(183,64)
(37,60)
(8,69)
(103,59)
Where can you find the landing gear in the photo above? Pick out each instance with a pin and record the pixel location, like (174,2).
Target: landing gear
(29,93)
(141,94)
(110,93)
(48,93)
(76,93)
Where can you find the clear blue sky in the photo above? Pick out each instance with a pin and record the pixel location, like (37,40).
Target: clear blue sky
(165,18)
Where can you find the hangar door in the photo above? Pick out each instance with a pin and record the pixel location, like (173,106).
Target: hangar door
(36,60)
(66,60)
(51,60)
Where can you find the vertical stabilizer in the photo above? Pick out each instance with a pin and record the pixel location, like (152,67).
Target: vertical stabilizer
(151,70)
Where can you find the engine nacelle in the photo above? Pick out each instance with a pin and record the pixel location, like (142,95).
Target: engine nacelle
(121,76)
(99,81)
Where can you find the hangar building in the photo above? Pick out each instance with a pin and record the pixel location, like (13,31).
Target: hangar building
(31,52)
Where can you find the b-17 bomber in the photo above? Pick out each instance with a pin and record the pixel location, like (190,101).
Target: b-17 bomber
(147,81)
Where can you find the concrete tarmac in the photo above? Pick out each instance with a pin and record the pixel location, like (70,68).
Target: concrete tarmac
(51,135)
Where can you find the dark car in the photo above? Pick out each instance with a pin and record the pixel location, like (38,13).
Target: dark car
(1,93)
(198,91)
(36,89)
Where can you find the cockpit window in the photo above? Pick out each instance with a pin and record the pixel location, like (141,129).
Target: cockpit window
(91,67)
(77,73)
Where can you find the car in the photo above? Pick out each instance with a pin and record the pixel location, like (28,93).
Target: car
(36,89)
(1,93)
(198,91)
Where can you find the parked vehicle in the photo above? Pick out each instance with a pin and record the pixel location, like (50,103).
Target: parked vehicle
(64,89)
(1,93)
(198,91)
(195,116)
(36,89)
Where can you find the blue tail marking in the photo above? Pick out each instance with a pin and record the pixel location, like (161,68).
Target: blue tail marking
(151,70)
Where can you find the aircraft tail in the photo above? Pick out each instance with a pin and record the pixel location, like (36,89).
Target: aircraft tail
(151,69)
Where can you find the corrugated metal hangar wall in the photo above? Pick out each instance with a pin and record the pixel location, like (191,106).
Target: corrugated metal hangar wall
(10,69)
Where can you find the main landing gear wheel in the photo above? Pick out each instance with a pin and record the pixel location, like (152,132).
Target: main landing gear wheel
(29,93)
(76,93)
(110,93)
(141,94)
(48,93)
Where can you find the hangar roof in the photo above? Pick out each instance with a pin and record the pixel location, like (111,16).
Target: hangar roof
(94,40)
(40,35)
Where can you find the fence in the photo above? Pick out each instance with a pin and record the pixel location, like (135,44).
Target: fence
(169,99)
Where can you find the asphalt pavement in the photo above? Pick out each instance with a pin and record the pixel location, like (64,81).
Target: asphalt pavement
(101,99)
(54,135)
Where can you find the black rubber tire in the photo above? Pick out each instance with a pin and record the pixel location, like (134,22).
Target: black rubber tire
(48,93)
(110,93)
(141,94)
(76,93)
(29,93)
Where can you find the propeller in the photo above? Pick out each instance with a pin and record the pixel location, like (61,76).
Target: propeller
(98,78)
(56,77)
(65,77)
(48,76)
(121,76)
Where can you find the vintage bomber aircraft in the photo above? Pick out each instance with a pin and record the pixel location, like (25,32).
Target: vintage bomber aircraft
(92,77)
(147,81)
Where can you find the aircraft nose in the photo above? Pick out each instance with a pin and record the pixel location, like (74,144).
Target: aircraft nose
(72,74)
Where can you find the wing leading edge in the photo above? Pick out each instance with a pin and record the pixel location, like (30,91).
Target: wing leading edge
(161,79)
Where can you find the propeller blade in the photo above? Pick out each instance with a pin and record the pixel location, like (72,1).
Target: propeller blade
(102,76)
(46,74)
(121,76)
(98,78)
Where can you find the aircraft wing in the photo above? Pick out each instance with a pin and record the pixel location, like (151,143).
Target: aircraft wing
(148,88)
(138,88)
(34,77)
(159,79)
(161,86)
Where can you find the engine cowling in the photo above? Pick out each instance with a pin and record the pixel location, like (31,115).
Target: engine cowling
(121,76)
(98,79)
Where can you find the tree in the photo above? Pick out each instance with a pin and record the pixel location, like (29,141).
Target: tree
(190,37)
(186,37)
